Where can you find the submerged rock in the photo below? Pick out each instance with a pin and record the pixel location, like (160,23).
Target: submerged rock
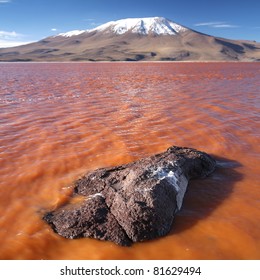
(131,202)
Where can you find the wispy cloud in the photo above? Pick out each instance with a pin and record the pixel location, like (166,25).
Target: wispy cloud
(5,1)
(11,39)
(9,35)
(225,25)
(92,22)
(216,24)
(9,44)
(54,29)
(89,19)
(208,23)
(95,24)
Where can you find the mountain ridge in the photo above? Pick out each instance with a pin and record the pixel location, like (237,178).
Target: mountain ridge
(143,26)
(135,39)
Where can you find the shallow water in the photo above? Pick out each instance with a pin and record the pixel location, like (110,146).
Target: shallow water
(59,120)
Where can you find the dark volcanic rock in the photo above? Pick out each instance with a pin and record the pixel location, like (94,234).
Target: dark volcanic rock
(131,202)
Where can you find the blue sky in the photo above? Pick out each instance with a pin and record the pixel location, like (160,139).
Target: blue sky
(31,20)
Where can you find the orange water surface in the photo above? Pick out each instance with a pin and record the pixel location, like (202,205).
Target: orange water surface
(60,120)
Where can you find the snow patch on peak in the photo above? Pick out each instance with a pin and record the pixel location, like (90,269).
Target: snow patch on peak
(143,26)
(71,33)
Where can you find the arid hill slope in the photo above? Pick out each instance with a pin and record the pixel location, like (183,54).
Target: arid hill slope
(148,39)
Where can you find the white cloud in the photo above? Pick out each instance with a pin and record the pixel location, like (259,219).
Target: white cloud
(92,22)
(54,29)
(208,23)
(8,35)
(224,25)
(5,1)
(216,24)
(11,39)
(9,44)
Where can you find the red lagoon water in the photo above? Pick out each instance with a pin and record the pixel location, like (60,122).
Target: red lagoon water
(59,120)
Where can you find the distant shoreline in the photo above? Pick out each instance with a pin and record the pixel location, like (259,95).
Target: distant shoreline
(131,62)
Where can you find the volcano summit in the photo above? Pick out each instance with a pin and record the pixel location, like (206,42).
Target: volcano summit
(135,39)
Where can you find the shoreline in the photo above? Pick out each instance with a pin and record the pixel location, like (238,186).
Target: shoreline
(131,62)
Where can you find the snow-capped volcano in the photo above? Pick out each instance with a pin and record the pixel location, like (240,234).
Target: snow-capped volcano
(143,26)
(135,39)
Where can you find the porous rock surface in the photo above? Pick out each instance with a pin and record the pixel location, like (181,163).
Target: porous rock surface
(131,202)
